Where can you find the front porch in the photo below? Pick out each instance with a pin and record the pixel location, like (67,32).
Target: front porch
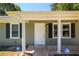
(51,50)
(60,42)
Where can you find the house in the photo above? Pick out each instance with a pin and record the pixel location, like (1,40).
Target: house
(40,28)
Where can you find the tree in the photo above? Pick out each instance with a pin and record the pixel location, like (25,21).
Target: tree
(65,6)
(76,6)
(8,7)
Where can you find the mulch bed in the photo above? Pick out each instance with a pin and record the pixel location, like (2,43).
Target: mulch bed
(10,48)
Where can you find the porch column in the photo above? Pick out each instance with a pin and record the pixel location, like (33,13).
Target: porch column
(23,37)
(59,37)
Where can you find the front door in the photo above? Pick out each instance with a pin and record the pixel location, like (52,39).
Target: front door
(39,34)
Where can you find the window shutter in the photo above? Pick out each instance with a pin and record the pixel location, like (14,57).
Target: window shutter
(7,30)
(73,30)
(49,30)
(20,30)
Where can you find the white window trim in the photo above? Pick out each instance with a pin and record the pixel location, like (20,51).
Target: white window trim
(11,31)
(69,30)
(62,30)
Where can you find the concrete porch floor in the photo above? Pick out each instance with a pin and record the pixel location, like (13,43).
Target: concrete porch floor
(50,50)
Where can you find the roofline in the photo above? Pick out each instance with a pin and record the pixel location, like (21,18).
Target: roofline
(42,11)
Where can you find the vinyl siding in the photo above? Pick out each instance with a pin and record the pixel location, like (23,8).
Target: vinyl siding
(30,36)
(12,42)
(4,41)
(64,41)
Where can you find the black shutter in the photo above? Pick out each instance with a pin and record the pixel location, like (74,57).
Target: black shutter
(20,30)
(73,30)
(49,30)
(7,30)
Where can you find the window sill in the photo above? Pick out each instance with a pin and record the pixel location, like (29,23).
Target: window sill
(61,38)
(14,38)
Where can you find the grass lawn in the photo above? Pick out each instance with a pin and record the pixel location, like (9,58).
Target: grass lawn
(9,53)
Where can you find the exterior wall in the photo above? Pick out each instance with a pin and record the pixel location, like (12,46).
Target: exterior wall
(4,41)
(30,36)
(12,42)
(66,41)
(73,41)
(52,41)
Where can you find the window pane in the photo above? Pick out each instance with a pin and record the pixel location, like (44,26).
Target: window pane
(65,34)
(55,30)
(14,30)
(65,30)
(14,33)
(65,27)
(14,27)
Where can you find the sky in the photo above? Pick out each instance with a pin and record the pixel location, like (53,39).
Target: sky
(35,6)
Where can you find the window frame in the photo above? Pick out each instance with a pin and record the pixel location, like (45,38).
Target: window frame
(62,30)
(11,37)
(69,30)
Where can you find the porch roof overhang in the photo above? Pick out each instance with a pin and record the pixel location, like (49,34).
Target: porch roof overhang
(10,19)
(54,15)
(19,16)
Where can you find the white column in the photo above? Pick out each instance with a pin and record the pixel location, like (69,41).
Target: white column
(23,37)
(59,37)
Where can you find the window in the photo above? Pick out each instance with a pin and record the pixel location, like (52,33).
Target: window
(65,30)
(14,31)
